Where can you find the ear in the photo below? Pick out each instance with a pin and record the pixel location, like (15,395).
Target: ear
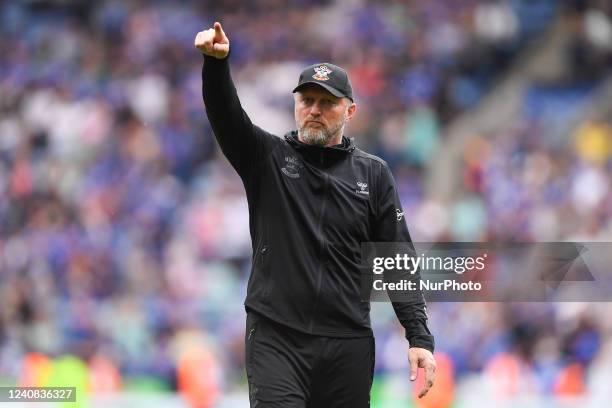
(351,110)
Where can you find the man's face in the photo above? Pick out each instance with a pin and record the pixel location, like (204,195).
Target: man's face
(320,116)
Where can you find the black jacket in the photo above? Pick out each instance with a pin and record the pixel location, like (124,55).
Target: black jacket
(310,209)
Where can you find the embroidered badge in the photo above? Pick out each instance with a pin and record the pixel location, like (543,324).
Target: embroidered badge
(321,73)
(292,167)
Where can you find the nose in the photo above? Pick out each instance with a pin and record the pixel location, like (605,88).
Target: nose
(315,110)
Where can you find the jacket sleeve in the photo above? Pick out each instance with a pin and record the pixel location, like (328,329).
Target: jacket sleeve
(391,226)
(241,142)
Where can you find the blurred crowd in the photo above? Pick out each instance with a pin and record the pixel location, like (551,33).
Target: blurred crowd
(124,232)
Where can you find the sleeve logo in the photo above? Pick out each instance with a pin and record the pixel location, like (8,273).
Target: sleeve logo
(399,214)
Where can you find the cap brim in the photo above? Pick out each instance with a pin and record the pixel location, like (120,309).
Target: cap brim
(328,88)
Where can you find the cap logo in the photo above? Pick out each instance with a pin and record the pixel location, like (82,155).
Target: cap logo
(321,73)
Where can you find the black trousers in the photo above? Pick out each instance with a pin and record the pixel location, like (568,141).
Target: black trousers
(290,369)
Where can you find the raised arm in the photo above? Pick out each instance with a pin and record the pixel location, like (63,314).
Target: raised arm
(241,142)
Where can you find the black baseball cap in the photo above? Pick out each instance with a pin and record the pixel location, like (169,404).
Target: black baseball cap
(329,76)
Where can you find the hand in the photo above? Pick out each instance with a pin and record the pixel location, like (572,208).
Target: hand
(420,357)
(213,42)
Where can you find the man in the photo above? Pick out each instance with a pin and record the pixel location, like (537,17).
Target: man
(313,199)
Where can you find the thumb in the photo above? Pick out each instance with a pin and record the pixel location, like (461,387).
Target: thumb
(218,47)
(414,365)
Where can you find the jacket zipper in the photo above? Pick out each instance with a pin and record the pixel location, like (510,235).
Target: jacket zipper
(321,250)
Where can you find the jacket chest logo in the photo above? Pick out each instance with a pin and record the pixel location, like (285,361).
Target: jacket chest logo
(292,167)
(362,188)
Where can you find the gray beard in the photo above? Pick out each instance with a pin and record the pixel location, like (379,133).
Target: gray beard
(319,137)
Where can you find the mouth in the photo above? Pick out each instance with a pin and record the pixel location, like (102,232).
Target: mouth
(314,122)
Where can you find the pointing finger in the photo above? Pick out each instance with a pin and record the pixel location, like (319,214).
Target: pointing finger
(219,29)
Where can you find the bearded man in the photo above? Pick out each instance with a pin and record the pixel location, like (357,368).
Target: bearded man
(313,199)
